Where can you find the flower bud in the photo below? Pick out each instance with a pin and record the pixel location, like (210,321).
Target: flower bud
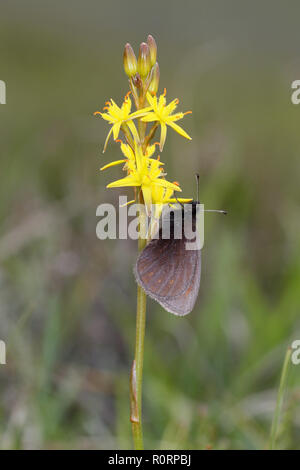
(153,87)
(144,61)
(153,49)
(129,61)
(136,80)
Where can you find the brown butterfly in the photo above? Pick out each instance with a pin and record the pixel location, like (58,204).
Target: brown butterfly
(167,271)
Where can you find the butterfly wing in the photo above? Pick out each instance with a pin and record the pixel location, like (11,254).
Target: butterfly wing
(170,274)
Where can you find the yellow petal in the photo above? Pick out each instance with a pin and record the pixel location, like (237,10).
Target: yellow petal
(180,199)
(127,151)
(107,117)
(175,117)
(116,130)
(150,150)
(147,198)
(161,102)
(126,106)
(140,113)
(152,100)
(141,160)
(116,162)
(167,184)
(158,193)
(179,130)
(127,203)
(163,135)
(127,181)
(150,117)
(107,139)
(133,130)
(171,106)
(114,110)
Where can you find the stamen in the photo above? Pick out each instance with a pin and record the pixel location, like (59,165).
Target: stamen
(106,107)
(165,92)
(126,97)
(176,101)
(97,112)
(187,112)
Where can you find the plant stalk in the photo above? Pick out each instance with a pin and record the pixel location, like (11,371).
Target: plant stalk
(137,368)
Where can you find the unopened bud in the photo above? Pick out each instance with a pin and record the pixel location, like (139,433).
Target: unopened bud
(129,61)
(153,87)
(153,49)
(136,80)
(144,61)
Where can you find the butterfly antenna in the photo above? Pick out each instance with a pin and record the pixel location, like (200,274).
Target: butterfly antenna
(198,198)
(216,210)
(198,187)
(179,201)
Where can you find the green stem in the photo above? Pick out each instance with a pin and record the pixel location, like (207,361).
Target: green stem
(279,402)
(150,136)
(137,368)
(134,93)
(142,125)
(127,134)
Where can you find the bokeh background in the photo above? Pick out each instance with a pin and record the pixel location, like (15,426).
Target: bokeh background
(67,300)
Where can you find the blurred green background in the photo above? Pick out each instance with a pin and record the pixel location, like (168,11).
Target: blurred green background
(67,300)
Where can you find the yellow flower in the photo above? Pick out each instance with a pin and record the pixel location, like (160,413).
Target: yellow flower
(130,157)
(163,114)
(121,116)
(127,152)
(146,173)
